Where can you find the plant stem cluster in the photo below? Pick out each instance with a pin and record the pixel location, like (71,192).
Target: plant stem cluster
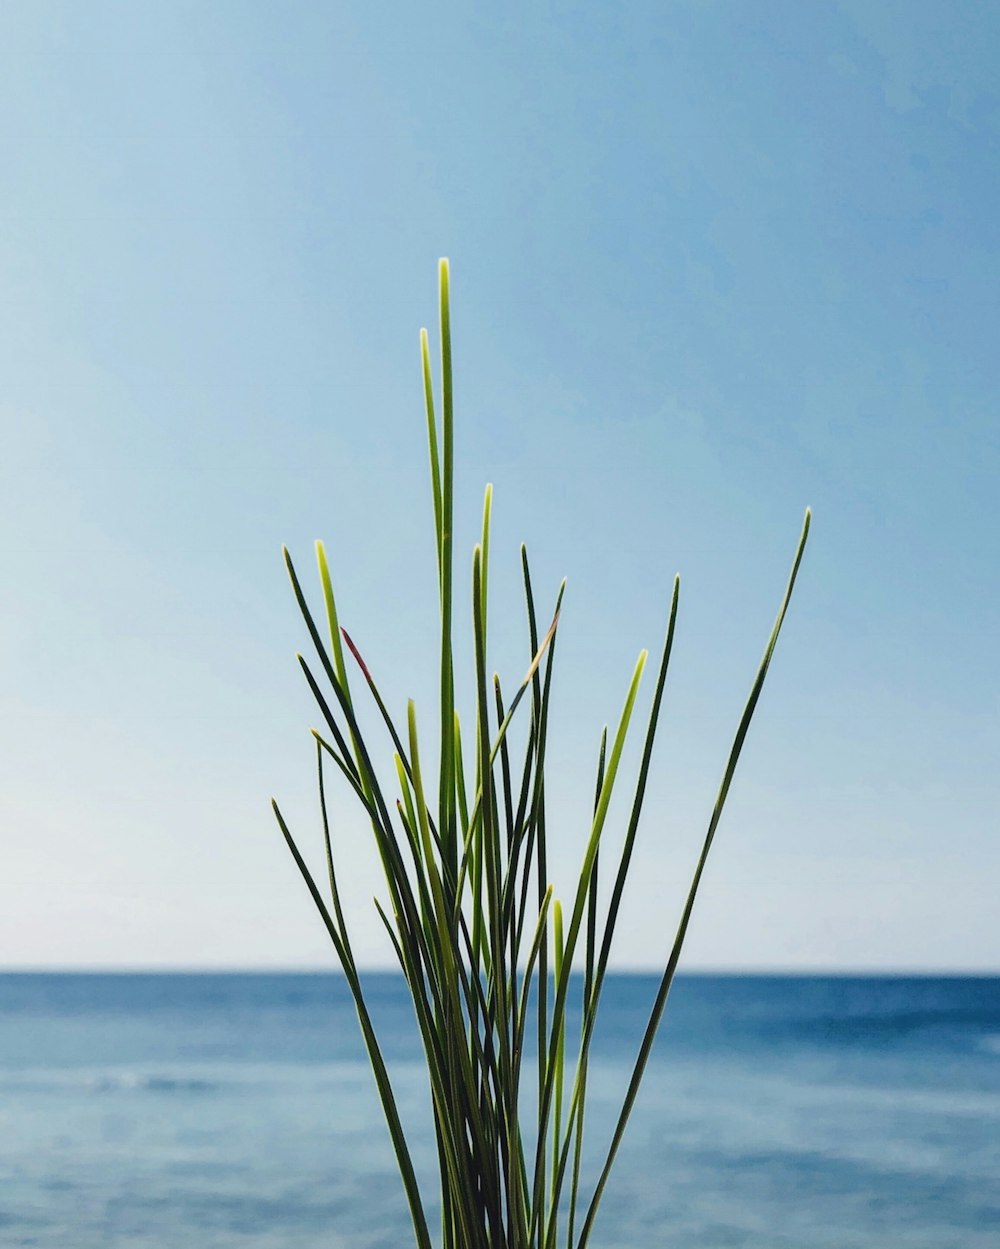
(470,912)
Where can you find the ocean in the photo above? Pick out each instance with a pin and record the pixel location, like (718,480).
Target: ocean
(215,1111)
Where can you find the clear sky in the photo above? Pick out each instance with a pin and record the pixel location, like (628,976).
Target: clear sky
(712,262)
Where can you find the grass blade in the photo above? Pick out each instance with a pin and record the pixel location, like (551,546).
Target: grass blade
(675,952)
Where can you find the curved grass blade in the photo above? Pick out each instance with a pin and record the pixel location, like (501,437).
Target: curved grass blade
(668,975)
(381,1074)
(331,615)
(588,981)
(328,847)
(576,920)
(432,440)
(446,788)
(594,979)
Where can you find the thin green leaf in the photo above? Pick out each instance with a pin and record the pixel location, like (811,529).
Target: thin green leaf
(675,952)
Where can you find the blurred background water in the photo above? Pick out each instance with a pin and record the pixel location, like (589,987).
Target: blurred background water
(161,1111)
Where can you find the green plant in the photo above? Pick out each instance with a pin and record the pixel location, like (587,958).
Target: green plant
(471,936)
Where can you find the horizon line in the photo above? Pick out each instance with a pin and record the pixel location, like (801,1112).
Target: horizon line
(843,972)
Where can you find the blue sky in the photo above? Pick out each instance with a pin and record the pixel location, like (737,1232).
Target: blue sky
(712,262)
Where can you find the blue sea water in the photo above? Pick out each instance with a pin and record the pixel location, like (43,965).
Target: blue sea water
(216,1111)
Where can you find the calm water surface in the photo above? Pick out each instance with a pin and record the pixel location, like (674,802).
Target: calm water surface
(216,1111)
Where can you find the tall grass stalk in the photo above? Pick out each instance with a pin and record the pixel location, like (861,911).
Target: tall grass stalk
(460,853)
